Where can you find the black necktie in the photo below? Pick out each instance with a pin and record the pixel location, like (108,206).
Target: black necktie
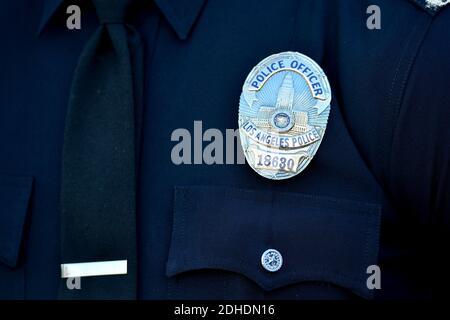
(98,172)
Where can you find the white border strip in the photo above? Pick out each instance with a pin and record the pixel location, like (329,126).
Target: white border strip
(90,269)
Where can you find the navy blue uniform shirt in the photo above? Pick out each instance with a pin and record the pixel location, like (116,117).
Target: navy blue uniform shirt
(376,193)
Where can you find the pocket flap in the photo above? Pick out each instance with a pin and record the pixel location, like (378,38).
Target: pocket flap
(14,198)
(320,239)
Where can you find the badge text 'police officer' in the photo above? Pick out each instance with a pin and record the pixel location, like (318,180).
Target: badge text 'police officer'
(283,114)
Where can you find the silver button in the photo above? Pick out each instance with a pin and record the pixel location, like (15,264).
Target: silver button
(271,260)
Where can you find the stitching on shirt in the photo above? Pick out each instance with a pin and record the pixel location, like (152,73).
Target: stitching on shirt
(397,107)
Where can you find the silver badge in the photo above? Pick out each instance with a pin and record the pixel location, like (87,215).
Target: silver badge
(283,114)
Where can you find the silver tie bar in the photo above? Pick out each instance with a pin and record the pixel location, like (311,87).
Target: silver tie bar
(91,269)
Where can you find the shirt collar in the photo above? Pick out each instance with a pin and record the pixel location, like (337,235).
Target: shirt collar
(181,14)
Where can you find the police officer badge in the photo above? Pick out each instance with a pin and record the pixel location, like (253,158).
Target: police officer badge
(283,114)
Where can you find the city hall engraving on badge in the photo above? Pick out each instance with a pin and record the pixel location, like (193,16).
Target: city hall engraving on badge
(283,114)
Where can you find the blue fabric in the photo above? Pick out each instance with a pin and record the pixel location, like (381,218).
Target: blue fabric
(15,196)
(14,202)
(387,143)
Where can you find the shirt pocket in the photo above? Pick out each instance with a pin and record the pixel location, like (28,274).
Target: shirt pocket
(219,235)
(15,192)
